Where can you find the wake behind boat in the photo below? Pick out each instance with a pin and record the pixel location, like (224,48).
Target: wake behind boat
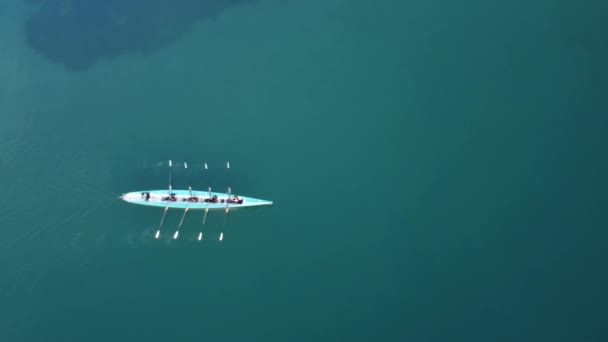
(192,200)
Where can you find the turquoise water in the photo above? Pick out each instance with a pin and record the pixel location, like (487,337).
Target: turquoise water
(437,171)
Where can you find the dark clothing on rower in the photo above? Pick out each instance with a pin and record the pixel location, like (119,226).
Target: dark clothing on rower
(212,199)
(171,198)
(235,200)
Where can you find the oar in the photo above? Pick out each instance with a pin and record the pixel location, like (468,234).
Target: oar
(227,203)
(167,207)
(187,204)
(200,235)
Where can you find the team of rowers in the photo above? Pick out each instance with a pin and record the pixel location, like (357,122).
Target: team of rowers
(173,198)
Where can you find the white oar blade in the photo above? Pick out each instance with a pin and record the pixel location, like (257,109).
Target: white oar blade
(176,234)
(170,163)
(200,236)
(185,165)
(157,234)
(221,236)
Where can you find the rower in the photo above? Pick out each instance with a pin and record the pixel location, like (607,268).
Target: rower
(235,199)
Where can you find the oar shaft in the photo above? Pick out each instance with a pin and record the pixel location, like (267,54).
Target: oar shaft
(227,202)
(187,203)
(157,235)
(200,234)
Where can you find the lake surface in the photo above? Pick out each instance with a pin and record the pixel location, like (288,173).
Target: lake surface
(438,170)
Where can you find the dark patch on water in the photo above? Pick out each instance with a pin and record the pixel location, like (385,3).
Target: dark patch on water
(79,33)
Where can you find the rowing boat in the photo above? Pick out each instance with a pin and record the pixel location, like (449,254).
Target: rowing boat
(195,200)
(192,200)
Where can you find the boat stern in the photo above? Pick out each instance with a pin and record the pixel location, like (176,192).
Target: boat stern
(262,202)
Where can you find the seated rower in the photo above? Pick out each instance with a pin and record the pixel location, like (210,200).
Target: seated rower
(235,199)
(211,199)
